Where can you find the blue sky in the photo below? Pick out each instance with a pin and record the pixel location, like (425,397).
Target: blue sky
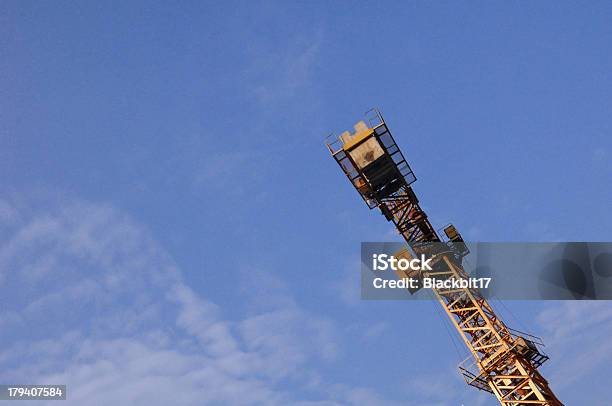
(172,225)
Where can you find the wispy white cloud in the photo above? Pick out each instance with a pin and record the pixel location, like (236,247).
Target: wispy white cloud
(295,73)
(347,288)
(542,231)
(8,214)
(600,155)
(578,338)
(280,73)
(94,302)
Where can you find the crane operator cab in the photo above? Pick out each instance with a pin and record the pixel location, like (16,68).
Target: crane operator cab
(372,161)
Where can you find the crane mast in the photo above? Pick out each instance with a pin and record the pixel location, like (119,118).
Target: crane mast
(503,362)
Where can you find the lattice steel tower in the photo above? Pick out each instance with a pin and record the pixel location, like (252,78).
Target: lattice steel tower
(504,362)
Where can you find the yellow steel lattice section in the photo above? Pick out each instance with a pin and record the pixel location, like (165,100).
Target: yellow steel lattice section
(503,370)
(503,363)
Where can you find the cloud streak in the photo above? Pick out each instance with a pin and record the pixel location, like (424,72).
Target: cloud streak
(94,302)
(578,335)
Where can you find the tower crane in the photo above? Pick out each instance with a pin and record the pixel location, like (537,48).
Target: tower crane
(503,361)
